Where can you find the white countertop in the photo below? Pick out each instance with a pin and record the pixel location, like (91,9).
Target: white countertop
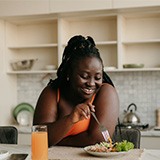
(145,133)
(150,133)
(23,129)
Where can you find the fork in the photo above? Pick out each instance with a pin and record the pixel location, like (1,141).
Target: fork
(103,129)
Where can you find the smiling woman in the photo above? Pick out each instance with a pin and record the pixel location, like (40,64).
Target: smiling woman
(81,87)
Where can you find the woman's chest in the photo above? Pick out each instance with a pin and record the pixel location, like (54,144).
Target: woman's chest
(64,108)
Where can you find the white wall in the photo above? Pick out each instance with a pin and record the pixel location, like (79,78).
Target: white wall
(141,88)
(8,92)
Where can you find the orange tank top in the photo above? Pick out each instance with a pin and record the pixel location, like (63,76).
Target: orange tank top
(80,126)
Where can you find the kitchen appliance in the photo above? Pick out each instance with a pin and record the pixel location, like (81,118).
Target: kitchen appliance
(140,126)
(130,115)
(131,119)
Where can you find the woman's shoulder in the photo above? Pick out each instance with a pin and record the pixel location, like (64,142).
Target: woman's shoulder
(106,95)
(106,90)
(49,92)
(107,86)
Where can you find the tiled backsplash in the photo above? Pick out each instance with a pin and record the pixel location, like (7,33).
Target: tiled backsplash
(141,88)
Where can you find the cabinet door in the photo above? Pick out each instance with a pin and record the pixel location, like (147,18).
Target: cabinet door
(150,142)
(23,7)
(102,29)
(78,5)
(24,138)
(134,3)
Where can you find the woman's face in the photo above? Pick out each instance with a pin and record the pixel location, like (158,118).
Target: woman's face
(86,77)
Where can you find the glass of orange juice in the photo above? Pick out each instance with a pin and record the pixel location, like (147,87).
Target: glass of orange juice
(39,145)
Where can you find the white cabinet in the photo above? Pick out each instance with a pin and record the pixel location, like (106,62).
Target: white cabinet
(122,38)
(150,142)
(134,3)
(33,39)
(23,7)
(57,6)
(24,138)
(140,40)
(102,28)
(24,134)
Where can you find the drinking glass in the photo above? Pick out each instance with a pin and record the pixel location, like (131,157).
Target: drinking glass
(39,142)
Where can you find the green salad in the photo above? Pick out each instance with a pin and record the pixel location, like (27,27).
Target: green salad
(124,146)
(112,147)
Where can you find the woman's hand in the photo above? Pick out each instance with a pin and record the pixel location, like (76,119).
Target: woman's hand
(81,111)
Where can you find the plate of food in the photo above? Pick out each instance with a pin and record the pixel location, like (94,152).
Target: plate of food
(105,149)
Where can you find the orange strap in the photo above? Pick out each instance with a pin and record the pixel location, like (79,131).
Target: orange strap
(80,126)
(58,95)
(93,98)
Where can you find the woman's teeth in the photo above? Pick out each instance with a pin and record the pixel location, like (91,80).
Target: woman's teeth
(88,91)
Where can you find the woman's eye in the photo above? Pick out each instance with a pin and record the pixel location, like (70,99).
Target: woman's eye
(98,77)
(85,76)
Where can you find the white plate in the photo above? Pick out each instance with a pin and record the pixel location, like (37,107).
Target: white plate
(3,154)
(24,118)
(103,154)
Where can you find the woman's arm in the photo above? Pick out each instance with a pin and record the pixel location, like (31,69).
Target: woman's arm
(46,112)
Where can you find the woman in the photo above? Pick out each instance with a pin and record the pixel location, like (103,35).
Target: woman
(81,86)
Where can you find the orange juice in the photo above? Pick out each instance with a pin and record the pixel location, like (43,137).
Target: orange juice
(39,146)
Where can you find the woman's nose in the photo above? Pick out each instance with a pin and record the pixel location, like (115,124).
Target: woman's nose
(91,82)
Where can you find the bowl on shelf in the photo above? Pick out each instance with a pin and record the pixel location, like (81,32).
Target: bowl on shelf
(132,65)
(109,68)
(23,64)
(50,67)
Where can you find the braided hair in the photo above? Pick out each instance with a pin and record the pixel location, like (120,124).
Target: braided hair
(78,47)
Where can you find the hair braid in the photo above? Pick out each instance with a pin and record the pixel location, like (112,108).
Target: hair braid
(78,47)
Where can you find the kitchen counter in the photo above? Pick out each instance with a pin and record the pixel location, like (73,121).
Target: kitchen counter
(23,129)
(24,134)
(150,139)
(147,132)
(150,133)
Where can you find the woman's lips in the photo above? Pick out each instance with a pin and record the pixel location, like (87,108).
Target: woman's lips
(88,90)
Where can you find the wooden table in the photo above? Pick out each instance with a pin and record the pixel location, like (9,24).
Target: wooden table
(74,153)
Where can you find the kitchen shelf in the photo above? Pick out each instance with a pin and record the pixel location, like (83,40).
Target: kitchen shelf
(104,25)
(132,70)
(106,43)
(34,46)
(142,41)
(140,44)
(122,38)
(32,39)
(32,72)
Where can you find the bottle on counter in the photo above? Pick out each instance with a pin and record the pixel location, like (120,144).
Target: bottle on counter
(158,117)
